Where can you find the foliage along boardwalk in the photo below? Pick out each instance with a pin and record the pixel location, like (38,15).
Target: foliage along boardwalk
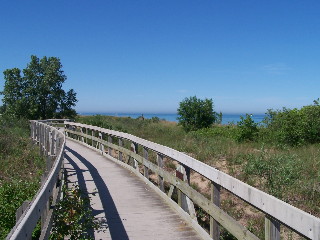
(129,208)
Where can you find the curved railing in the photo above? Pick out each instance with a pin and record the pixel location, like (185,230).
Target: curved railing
(52,143)
(276,211)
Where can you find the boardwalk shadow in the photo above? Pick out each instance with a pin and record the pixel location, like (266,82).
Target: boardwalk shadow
(81,183)
(114,221)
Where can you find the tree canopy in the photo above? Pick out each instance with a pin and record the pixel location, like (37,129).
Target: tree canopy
(195,113)
(37,93)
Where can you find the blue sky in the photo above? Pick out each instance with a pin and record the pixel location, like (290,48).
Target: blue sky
(147,56)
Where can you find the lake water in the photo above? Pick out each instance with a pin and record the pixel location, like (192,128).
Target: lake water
(226,118)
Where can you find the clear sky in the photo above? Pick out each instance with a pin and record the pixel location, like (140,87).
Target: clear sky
(148,55)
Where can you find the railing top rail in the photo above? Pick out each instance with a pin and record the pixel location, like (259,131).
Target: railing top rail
(302,222)
(31,214)
(52,120)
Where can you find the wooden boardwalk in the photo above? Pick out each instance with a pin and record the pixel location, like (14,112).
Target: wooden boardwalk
(129,208)
(128,204)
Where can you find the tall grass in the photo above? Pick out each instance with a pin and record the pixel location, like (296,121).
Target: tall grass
(20,170)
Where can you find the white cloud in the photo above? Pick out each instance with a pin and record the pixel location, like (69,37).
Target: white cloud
(182,90)
(276,68)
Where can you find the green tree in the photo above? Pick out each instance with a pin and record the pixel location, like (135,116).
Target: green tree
(38,93)
(247,129)
(195,113)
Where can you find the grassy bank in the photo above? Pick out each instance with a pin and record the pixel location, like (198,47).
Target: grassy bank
(20,170)
(291,173)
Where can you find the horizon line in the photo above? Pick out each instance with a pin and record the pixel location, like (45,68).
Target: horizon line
(157,113)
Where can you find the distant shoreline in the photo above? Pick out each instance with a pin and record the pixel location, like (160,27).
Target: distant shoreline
(226,118)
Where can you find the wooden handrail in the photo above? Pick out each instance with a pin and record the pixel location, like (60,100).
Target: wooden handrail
(52,143)
(277,212)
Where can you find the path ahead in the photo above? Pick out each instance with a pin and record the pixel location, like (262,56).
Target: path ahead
(127,205)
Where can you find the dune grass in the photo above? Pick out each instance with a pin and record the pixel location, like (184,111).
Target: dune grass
(20,169)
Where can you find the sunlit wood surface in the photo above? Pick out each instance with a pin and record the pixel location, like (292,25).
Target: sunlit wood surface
(128,208)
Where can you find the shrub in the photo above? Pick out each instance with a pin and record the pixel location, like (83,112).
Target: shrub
(295,126)
(73,216)
(12,195)
(278,171)
(247,129)
(195,113)
(155,119)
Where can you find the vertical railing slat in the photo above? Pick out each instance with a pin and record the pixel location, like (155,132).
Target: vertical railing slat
(109,148)
(146,156)
(215,198)
(133,162)
(120,153)
(160,165)
(272,229)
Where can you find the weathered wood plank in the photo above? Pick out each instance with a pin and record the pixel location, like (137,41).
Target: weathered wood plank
(160,178)
(110,149)
(215,198)
(272,229)
(146,156)
(121,146)
(170,191)
(132,209)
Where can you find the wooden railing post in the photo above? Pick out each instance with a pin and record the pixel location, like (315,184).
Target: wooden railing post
(109,148)
(45,211)
(32,130)
(181,174)
(215,198)
(92,135)
(146,156)
(47,145)
(134,163)
(52,142)
(78,129)
(41,140)
(101,145)
(40,134)
(272,228)
(22,209)
(120,153)
(82,137)
(160,165)
(58,144)
(44,138)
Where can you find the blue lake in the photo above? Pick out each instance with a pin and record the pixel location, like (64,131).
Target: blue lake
(226,118)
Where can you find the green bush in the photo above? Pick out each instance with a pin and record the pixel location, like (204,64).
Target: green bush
(12,195)
(155,119)
(73,216)
(278,171)
(247,129)
(195,113)
(294,126)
